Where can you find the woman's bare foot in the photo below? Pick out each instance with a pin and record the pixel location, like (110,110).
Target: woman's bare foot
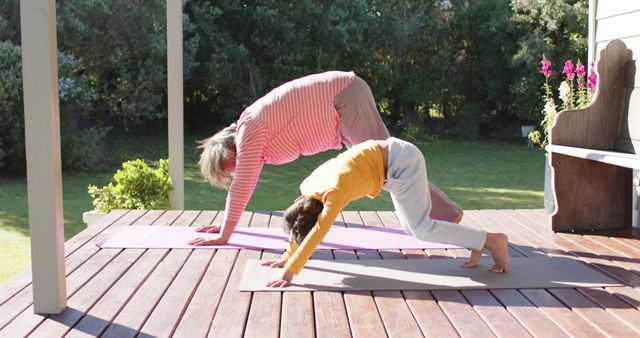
(472,262)
(498,245)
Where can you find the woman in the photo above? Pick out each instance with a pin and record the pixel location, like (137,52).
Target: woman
(301,117)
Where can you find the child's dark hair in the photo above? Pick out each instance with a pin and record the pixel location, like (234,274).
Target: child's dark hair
(300,217)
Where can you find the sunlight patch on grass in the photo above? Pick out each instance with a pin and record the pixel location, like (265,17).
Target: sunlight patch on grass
(15,254)
(518,192)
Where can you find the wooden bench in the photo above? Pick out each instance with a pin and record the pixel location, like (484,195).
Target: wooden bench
(594,150)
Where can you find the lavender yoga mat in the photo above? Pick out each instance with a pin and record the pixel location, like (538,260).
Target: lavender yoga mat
(168,237)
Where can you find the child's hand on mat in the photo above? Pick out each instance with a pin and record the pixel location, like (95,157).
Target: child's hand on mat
(212,229)
(274,263)
(203,241)
(284,281)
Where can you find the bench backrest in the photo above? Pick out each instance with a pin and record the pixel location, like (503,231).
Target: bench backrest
(628,138)
(610,122)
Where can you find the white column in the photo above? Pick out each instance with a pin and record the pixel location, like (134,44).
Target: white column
(175,100)
(42,135)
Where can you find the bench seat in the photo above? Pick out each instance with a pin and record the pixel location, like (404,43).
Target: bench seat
(616,158)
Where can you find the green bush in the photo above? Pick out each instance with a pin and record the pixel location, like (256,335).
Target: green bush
(138,186)
(81,139)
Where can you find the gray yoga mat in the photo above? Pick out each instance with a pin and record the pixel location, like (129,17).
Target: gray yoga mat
(427,274)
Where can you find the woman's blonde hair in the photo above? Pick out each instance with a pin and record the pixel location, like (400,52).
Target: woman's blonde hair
(216,150)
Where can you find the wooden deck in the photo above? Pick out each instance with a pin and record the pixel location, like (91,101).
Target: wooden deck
(193,293)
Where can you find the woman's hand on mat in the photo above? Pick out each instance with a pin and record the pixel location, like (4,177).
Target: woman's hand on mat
(274,263)
(202,241)
(284,281)
(211,229)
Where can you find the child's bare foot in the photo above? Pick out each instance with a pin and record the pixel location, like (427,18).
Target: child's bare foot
(472,262)
(498,245)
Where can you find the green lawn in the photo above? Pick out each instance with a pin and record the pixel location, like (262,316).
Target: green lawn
(477,175)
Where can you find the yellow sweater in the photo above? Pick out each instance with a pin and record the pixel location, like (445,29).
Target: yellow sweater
(357,172)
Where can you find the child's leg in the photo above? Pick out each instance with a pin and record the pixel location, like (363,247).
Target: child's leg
(407,182)
(498,245)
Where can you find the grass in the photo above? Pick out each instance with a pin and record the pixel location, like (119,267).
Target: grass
(477,175)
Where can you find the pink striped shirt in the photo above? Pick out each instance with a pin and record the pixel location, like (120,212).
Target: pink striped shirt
(297,118)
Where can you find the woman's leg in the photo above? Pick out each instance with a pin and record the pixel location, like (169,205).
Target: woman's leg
(359,117)
(360,121)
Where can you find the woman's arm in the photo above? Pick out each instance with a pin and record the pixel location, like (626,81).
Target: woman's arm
(249,149)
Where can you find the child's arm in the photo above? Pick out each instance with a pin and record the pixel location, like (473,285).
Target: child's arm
(333,204)
(278,263)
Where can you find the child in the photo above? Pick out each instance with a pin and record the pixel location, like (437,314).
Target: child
(393,165)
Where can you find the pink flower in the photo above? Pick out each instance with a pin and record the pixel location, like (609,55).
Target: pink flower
(568,69)
(592,80)
(546,65)
(581,72)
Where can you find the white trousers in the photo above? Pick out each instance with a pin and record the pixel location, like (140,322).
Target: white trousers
(409,187)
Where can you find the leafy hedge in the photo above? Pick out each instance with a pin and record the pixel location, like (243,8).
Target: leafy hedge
(466,67)
(81,138)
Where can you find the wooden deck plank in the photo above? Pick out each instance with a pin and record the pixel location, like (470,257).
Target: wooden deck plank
(24,298)
(621,310)
(100,316)
(605,254)
(629,295)
(264,313)
(26,321)
(330,312)
(202,306)
(232,312)
(82,270)
(563,316)
(165,316)
(204,300)
(593,313)
(462,316)
(77,305)
(497,316)
(362,312)
(394,311)
(79,256)
(428,316)
(16,284)
(297,315)
(537,226)
(590,311)
(363,315)
(396,315)
(135,312)
(532,319)
(536,223)
(330,315)
(494,314)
